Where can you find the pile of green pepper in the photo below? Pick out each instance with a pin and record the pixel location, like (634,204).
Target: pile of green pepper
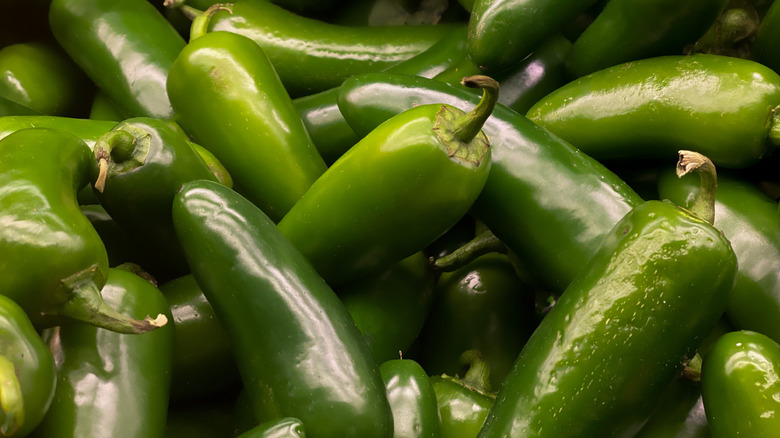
(389,218)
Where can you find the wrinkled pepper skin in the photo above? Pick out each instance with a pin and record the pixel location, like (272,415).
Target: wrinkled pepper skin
(740,386)
(503,32)
(312,56)
(317,368)
(748,218)
(32,366)
(551,204)
(599,362)
(637,29)
(412,399)
(112,384)
(125,46)
(389,196)
(719,106)
(462,409)
(228,97)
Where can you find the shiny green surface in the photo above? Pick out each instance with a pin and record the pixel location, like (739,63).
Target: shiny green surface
(125,46)
(741,386)
(748,218)
(44,237)
(600,360)
(112,384)
(719,106)
(229,99)
(311,55)
(85,129)
(412,399)
(388,197)
(462,410)
(551,204)
(296,347)
(282,428)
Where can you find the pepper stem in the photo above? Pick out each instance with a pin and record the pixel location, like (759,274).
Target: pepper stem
(484,243)
(11,399)
(478,375)
(692,369)
(468,126)
(704,203)
(84,303)
(200,24)
(120,150)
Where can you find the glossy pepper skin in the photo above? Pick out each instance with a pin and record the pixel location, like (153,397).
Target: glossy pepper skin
(287,427)
(125,46)
(228,97)
(311,56)
(549,203)
(740,386)
(503,32)
(27,370)
(392,194)
(112,384)
(600,360)
(630,30)
(315,367)
(85,129)
(412,399)
(719,106)
(748,218)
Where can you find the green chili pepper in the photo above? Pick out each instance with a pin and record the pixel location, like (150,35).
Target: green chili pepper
(719,106)
(315,367)
(630,30)
(312,56)
(764,49)
(549,203)
(412,399)
(396,191)
(229,99)
(112,384)
(287,427)
(599,362)
(26,370)
(42,77)
(740,383)
(54,263)
(85,129)
(125,46)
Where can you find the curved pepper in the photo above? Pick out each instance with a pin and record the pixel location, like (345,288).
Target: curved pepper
(600,361)
(112,384)
(296,347)
(85,129)
(412,399)
(125,46)
(740,386)
(719,106)
(228,97)
(54,263)
(403,185)
(551,204)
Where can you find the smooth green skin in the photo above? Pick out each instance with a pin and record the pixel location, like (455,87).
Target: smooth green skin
(389,196)
(125,46)
(315,366)
(203,363)
(719,106)
(412,399)
(112,384)
(503,32)
(42,77)
(462,410)
(87,130)
(11,108)
(390,309)
(549,203)
(637,29)
(104,109)
(139,188)
(764,49)
(311,55)
(599,362)
(228,97)
(45,238)
(483,306)
(741,386)
(32,361)
(748,218)
(282,428)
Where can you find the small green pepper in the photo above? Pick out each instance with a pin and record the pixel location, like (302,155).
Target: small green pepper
(464,403)
(412,399)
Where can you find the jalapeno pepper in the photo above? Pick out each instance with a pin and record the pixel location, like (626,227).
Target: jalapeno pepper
(87,130)
(464,403)
(317,368)
(719,106)
(412,399)
(599,362)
